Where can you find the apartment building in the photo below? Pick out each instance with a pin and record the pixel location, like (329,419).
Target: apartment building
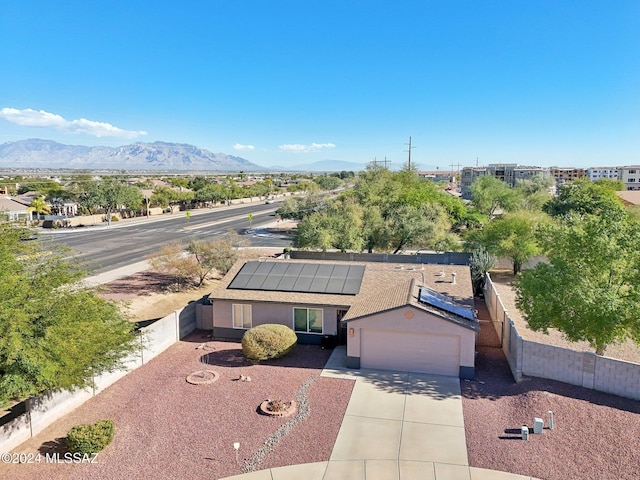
(630,176)
(509,173)
(565,174)
(596,173)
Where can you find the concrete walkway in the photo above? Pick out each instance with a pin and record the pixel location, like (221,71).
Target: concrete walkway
(397,426)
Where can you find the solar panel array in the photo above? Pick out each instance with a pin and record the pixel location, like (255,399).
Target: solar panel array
(299,277)
(438,300)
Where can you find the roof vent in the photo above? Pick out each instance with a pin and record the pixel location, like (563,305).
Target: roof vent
(453,278)
(441,274)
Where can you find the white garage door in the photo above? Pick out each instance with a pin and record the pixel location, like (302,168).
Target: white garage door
(410,352)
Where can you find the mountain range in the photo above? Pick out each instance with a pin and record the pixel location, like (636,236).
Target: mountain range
(157,156)
(36,153)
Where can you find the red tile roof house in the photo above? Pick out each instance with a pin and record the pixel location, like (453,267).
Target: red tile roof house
(391,317)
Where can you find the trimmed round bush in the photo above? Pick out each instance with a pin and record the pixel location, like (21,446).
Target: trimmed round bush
(90,438)
(268,341)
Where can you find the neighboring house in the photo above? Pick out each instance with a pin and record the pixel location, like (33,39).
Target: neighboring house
(391,317)
(13,209)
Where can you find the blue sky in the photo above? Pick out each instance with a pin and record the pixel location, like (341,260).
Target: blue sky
(293,82)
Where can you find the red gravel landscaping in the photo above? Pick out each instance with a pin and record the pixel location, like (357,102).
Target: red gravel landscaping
(595,436)
(168,428)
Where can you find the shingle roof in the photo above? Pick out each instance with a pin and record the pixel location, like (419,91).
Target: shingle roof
(384,285)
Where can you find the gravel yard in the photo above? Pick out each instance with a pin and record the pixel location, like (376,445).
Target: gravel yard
(167,428)
(595,435)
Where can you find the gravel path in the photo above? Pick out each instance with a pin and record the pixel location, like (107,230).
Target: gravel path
(169,429)
(595,436)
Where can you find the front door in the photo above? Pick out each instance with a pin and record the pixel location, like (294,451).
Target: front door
(341,327)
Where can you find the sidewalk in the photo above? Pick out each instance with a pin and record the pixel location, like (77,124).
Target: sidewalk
(398,426)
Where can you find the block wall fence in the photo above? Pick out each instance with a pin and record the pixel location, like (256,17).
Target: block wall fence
(43,411)
(585,369)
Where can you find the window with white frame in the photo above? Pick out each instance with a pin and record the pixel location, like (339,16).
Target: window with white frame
(242,315)
(307,320)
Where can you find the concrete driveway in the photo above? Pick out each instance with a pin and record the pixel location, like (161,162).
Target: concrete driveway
(398,426)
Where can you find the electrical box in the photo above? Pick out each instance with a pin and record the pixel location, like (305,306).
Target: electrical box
(538,425)
(525,432)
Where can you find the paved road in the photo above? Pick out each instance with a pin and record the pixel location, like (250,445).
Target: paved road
(106,248)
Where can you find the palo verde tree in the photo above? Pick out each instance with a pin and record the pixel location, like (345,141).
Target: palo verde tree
(54,334)
(511,235)
(490,194)
(590,289)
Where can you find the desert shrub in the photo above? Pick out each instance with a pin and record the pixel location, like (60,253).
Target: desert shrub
(268,341)
(90,438)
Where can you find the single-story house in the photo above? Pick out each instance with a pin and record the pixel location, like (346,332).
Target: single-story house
(417,318)
(13,209)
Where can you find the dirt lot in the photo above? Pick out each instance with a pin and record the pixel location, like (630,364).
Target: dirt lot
(151,295)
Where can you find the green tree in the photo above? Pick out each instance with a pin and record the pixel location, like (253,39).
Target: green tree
(54,334)
(490,193)
(534,192)
(113,196)
(590,289)
(583,197)
(511,235)
(327,182)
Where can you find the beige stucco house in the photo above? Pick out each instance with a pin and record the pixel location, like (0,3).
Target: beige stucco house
(417,318)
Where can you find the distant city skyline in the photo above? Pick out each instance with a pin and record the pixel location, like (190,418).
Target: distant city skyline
(542,83)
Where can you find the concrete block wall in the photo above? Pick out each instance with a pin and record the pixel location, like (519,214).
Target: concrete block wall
(617,377)
(547,361)
(535,359)
(43,411)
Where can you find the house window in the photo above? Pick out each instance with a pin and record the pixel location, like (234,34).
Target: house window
(307,320)
(241,316)
(631,180)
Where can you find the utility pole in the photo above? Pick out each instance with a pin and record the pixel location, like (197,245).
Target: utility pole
(386,162)
(455,165)
(409,150)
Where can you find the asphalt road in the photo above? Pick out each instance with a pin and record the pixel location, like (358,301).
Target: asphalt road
(105,248)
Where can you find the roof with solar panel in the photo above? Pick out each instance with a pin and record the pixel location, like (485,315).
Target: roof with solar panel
(361,287)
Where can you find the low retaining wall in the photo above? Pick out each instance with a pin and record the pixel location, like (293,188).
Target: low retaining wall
(43,411)
(446,258)
(585,369)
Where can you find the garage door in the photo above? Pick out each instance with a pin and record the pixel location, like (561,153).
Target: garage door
(410,352)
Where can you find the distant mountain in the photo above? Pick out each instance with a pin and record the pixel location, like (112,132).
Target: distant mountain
(36,153)
(322,166)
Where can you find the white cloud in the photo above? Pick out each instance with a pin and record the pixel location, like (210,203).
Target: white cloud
(238,146)
(298,148)
(40,118)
